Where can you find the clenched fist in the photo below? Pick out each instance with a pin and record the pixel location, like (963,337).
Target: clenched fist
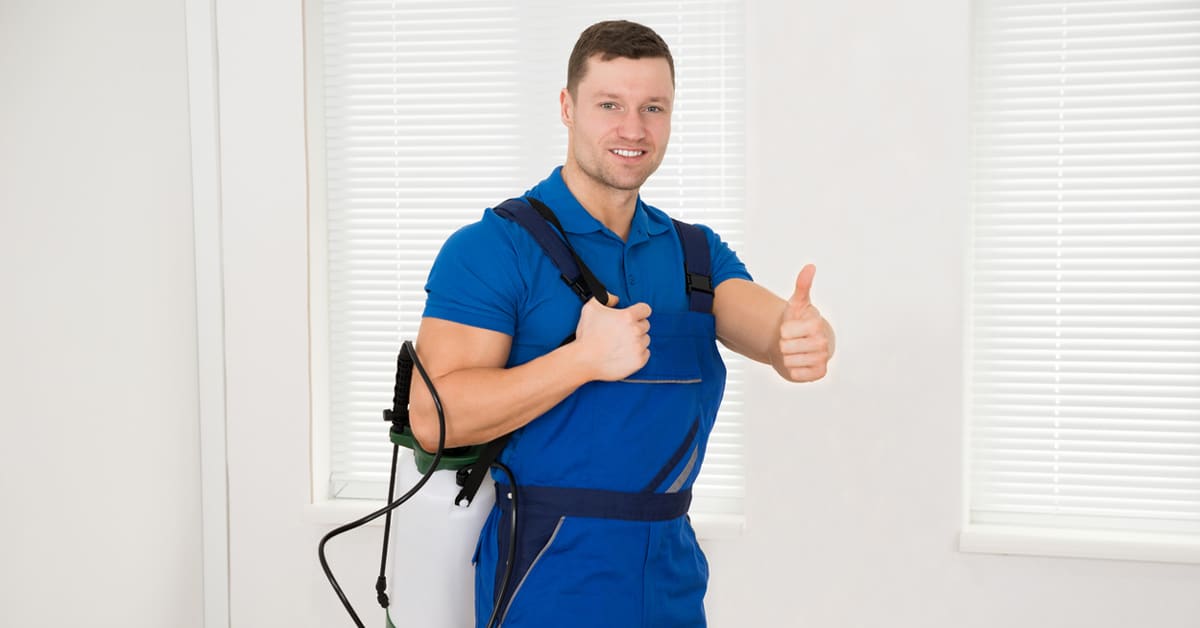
(805,337)
(614,342)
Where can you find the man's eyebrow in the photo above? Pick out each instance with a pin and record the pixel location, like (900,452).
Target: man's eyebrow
(612,96)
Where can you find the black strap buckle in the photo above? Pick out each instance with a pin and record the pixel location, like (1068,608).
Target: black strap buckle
(699,283)
(579,287)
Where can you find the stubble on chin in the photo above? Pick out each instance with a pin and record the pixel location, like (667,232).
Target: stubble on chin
(629,181)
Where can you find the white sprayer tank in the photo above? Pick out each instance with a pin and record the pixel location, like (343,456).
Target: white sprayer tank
(431,581)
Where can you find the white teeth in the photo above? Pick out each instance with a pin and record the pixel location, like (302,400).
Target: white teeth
(627,153)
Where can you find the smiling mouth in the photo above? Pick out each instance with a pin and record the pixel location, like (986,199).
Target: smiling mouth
(627,153)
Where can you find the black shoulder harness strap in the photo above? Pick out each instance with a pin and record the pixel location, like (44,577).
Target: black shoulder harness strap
(537,219)
(541,223)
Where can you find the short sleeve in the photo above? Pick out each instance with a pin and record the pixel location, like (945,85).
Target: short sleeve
(475,279)
(725,262)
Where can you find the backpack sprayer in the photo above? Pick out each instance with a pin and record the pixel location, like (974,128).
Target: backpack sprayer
(440,549)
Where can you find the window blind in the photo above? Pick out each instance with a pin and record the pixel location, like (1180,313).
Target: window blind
(433,111)
(1085,344)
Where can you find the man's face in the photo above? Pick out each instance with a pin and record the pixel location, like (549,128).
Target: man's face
(620,120)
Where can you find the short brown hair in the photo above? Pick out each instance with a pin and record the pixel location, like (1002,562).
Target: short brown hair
(612,39)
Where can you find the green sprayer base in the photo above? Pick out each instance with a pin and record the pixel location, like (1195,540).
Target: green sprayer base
(452,459)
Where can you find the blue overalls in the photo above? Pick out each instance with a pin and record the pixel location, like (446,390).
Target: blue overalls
(604,483)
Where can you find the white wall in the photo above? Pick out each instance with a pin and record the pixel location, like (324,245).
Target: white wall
(99,472)
(272,557)
(858,151)
(858,154)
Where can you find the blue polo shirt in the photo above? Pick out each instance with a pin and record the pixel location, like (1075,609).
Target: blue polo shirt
(492,274)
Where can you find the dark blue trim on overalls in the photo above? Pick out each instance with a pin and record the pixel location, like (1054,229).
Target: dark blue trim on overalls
(675,459)
(543,508)
(595,503)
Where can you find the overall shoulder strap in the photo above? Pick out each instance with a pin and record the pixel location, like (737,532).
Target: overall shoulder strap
(697,266)
(541,223)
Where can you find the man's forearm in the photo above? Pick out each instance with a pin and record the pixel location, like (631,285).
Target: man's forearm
(748,318)
(484,403)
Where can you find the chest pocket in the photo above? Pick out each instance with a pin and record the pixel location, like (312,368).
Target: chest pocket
(676,343)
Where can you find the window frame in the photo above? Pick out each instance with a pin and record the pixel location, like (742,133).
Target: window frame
(1019,535)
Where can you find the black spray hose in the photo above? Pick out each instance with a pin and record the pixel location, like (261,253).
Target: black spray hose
(512,546)
(437,458)
(381,581)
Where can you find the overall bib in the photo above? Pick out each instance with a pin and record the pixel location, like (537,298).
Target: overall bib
(604,483)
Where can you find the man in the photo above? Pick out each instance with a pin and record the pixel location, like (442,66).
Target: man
(609,430)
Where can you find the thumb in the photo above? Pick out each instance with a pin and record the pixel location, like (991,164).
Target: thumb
(801,298)
(612,300)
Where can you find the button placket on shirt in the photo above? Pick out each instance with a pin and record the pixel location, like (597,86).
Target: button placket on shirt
(637,237)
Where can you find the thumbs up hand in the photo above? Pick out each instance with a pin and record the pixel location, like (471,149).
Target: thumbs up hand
(805,338)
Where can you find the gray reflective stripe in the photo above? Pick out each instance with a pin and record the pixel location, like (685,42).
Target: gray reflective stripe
(687,471)
(662,381)
(530,570)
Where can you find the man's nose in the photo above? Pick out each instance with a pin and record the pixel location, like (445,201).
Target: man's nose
(632,127)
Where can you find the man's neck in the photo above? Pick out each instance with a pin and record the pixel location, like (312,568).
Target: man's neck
(613,208)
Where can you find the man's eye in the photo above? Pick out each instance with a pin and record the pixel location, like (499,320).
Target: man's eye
(654,109)
(608,105)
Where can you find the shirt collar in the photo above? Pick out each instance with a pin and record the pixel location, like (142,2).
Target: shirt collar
(553,191)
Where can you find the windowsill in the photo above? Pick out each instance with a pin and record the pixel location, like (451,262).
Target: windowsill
(335,512)
(1028,541)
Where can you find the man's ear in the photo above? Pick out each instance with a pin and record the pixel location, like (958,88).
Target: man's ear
(566,108)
